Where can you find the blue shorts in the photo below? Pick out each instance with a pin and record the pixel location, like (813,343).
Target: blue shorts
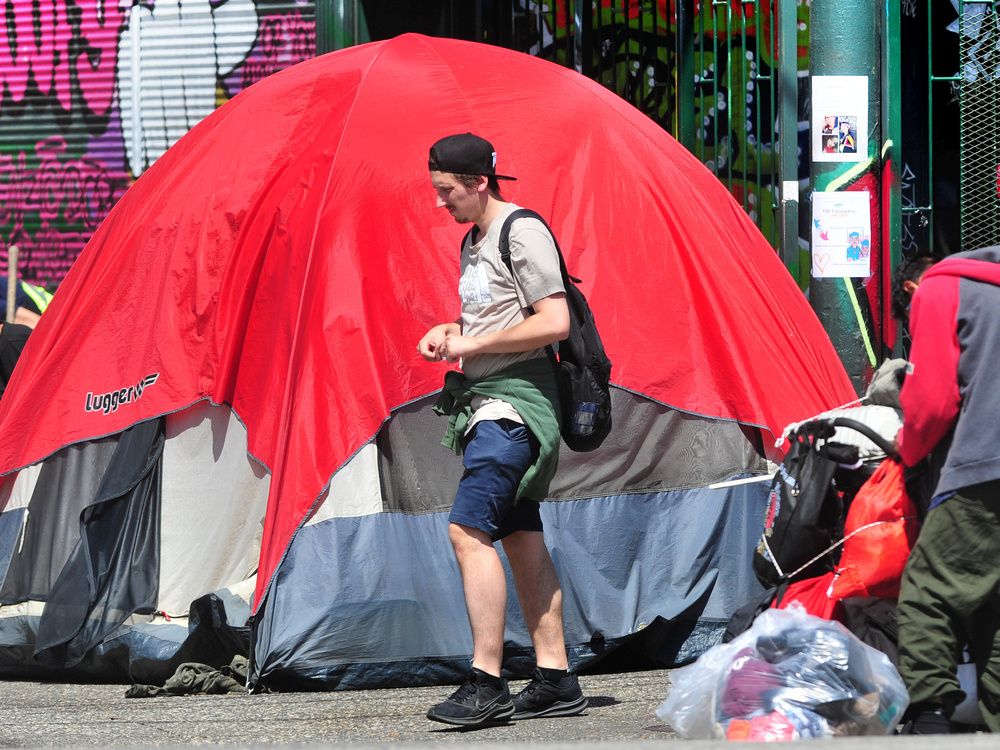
(496,455)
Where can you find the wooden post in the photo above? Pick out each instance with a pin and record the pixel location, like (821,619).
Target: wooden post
(11,283)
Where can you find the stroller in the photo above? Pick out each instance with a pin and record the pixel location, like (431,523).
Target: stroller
(808,505)
(760,684)
(842,528)
(809,499)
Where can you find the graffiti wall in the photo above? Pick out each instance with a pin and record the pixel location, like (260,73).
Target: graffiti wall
(633,53)
(95,91)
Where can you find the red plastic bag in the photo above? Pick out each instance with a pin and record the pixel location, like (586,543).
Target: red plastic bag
(814,595)
(772,727)
(880,530)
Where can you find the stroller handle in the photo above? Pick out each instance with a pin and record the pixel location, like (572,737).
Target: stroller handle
(869,433)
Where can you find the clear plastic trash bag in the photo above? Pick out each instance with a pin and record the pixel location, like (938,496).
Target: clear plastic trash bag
(791,676)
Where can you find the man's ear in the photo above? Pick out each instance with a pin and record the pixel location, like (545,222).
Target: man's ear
(910,286)
(483,185)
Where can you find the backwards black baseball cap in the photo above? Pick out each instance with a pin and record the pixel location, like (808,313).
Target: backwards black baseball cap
(465,153)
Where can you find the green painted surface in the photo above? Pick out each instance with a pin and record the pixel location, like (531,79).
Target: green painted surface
(848,44)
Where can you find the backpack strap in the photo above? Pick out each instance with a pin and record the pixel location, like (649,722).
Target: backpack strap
(525,213)
(470,235)
(504,244)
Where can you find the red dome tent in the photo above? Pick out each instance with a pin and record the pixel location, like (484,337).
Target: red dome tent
(258,294)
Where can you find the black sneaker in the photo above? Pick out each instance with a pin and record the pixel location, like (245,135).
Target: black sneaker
(476,703)
(543,698)
(927,721)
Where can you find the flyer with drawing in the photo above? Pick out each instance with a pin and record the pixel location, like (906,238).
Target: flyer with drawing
(841,234)
(839,118)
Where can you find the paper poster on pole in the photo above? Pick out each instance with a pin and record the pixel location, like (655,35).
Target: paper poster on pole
(841,234)
(839,118)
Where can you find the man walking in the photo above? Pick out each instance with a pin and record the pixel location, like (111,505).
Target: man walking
(950,592)
(503,415)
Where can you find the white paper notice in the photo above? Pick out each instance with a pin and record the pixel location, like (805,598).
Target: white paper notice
(839,118)
(841,234)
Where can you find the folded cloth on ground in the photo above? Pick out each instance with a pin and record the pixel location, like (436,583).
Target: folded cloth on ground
(192,678)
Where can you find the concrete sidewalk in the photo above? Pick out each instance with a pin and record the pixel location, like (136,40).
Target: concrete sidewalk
(621,713)
(33,714)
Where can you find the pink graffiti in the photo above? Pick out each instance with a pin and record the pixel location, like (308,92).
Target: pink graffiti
(61,192)
(46,256)
(42,46)
(282,40)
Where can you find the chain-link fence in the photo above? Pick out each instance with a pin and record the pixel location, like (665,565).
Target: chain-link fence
(979,107)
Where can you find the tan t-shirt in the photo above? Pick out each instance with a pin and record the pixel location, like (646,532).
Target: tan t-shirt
(492,301)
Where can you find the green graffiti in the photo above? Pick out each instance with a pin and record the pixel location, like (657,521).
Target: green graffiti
(633,53)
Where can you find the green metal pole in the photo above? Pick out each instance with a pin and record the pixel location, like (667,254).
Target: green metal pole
(846,41)
(585,37)
(329,25)
(339,24)
(684,106)
(892,158)
(788,125)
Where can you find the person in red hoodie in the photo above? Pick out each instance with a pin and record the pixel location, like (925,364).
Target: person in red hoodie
(950,592)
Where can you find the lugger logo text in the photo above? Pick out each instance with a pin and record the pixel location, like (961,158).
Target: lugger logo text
(109,402)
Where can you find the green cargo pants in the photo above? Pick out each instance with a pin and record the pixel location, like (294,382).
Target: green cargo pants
(950,596)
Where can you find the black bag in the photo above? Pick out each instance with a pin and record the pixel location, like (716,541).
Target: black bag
(805,516)
(873,621)
(922,479)
(583,370)
(746,613)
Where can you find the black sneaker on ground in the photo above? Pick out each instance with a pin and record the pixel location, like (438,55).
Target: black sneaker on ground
(476,703)
(543,698)
(927,721)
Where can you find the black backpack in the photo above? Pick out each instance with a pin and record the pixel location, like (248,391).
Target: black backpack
(583,370)
(804,519)
(804,516)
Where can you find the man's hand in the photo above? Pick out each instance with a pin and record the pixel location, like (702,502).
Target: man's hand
(549,324)
(430,346)
(456,346)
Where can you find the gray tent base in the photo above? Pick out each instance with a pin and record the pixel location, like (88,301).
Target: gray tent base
(308,636)
(139,651)
(688,553)
(652,562)
(662,645)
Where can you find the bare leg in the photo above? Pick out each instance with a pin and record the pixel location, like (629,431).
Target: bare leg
(540,596)
(485,589)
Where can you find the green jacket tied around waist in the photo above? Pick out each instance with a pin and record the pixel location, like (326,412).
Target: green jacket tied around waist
(530,387)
